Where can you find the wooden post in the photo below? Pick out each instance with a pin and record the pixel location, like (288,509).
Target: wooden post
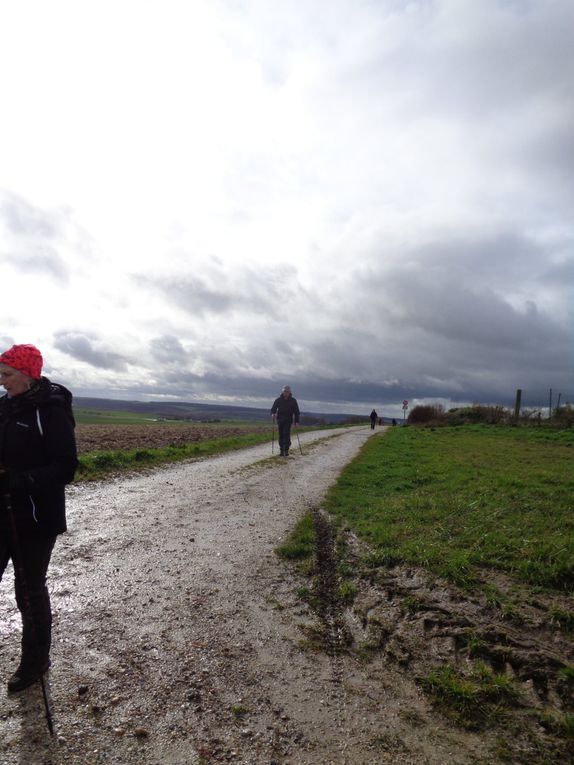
(550,405)
(517,401)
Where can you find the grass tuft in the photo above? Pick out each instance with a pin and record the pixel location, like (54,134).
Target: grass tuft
(558,723)
(567,674)
(562,619)
(473,701)
(300,544)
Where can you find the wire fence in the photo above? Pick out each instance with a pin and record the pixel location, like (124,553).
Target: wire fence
(548,400)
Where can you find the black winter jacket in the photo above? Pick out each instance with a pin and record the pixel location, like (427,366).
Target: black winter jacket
(38,457)
(287,409)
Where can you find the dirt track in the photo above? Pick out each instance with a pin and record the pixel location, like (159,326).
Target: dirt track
(179,639)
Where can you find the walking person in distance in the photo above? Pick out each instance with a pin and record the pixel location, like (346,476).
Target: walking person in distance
(373,417)
(285,411)
(37,459)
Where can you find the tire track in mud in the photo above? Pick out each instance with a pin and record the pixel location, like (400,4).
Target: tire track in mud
(414,624)
(420,624)
(329,608)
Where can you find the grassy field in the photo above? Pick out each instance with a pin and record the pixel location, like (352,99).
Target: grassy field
(489,510)
(112,417)
(104,417)
(459,501)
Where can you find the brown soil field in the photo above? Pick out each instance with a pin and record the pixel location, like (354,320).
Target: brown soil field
(99,437)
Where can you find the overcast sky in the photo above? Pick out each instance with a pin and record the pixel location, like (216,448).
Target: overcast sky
(371,200)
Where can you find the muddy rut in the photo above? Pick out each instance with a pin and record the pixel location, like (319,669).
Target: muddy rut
(180,637)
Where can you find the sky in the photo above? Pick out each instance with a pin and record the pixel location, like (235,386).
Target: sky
(369,200)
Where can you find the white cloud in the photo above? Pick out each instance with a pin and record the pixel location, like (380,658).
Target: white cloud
(373,196)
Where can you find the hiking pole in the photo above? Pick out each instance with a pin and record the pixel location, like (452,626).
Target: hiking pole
(19,567)
(299,442)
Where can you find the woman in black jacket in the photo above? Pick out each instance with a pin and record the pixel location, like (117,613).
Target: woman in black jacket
(37,459)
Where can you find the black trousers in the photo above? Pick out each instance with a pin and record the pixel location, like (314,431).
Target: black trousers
(31,561)
(284,435)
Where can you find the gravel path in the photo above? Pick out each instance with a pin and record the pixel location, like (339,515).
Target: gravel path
(179,638)
(171,642)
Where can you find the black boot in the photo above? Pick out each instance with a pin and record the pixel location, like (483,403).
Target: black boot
(36,641)
(29,671)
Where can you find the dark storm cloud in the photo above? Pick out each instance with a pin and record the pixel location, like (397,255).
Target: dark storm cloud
(477,317)
(431,322)
(448,319)
(87,349)
(194,295)
(35,240)
(219,290)
(320,393)
(168,350)
(559,275)
(244,387)
(464,319)
(486,324)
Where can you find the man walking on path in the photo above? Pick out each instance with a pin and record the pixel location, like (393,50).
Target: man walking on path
(285,410)
(374,417)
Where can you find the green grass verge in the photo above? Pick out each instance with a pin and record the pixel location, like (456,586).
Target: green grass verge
(460,499)
(98,465)
(111,417)
(300,544)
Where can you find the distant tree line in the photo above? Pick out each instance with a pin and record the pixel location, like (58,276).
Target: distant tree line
(435,415)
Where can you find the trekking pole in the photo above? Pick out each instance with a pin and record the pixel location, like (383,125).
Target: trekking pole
(19,567)
(299,442)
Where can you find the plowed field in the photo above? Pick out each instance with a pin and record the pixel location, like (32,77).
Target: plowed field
(91,438)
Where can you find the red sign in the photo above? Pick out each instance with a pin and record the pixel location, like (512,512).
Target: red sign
(405,403)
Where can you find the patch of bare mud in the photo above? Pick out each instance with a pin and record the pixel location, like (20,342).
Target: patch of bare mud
(405,621)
